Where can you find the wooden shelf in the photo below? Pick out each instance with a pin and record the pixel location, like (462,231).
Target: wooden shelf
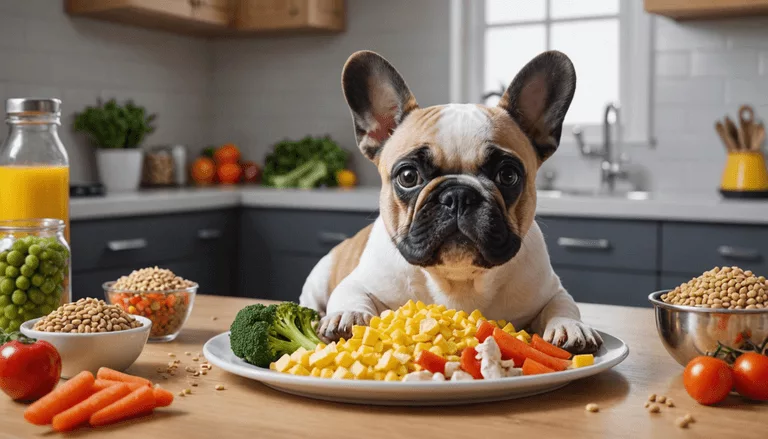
(706,9)
(218,17)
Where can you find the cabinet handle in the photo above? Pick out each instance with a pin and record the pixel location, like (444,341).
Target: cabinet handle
(745,254)
(587,244)
(127,244)
(331,238)
(209,234)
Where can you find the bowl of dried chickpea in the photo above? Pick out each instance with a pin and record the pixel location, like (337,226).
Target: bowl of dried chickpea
(91,333)
(723,311)
(157,294)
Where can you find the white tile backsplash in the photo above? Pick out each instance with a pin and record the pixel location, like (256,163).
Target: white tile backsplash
(257,91)
(671,64)
(44,52)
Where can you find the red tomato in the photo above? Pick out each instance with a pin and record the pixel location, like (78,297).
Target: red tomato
(750,376)
(29,369)
(708,380)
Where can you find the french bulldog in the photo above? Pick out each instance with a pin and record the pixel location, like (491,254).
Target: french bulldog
(456,224)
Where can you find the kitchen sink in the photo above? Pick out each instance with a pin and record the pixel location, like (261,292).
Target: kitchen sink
(593,193)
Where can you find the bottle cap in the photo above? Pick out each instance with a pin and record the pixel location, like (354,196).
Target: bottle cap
(32,105)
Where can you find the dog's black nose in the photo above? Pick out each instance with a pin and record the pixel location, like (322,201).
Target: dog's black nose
(457,198)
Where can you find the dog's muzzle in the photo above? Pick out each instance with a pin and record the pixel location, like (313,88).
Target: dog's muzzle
(458,216)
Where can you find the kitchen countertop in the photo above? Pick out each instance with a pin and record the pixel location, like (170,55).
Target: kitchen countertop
(249,409)
(669,207)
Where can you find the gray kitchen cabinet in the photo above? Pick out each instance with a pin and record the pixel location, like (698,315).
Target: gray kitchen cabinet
(200,246)
(694,248)
(670,281)
(279,247)
(601,243)
(610,287)
(604,261)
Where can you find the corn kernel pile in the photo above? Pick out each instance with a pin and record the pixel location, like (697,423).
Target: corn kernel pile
(387,349)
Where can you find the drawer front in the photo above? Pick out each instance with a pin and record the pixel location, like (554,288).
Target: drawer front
(601,243)
(608,287)
(695,248)
(301,231)
(275,276)
(143,241)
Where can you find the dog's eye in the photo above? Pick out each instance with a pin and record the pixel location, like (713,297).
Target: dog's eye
(507,176)
(408,177)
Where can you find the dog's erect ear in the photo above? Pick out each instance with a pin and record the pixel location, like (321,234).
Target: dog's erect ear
(538,98)
(378,98)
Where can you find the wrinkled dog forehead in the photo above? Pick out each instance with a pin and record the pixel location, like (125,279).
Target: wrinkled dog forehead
(458,136)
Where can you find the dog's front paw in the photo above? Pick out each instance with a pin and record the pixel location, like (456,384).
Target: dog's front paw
(336,325)
(572,335)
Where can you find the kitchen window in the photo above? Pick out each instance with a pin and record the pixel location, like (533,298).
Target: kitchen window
(609,42)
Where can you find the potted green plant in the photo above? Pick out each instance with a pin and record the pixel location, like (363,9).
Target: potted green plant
(117,132)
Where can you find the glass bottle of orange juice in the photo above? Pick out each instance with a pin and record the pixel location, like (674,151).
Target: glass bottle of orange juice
(34,167)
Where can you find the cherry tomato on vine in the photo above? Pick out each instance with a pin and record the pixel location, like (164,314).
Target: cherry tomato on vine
(708,380)
(750,376)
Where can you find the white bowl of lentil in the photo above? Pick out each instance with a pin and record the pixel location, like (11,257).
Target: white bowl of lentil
(90,351)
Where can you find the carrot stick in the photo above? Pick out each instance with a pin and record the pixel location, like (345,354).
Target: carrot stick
(531,367)
(106,373)
(80,413)
(76,389)
(164,398)
(517,350)
(539,344)
(484,331)
(138,402)
(100,384)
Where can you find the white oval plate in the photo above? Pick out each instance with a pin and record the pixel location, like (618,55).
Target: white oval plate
(218,352)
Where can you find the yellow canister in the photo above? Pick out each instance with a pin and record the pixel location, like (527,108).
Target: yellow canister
(745,175)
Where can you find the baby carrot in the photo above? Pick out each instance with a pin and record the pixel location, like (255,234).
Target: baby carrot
(532,367)
(512,348)
(76,389)
(106,373)
(540,345)
(100,384)
(81,413)
(138,402)
(164,398)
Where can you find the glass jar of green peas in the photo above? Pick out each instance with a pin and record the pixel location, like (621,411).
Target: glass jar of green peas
(34,270)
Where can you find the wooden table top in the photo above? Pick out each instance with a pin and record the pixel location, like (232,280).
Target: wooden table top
(249,409)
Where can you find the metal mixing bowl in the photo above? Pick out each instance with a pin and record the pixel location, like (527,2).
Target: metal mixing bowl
(688,331)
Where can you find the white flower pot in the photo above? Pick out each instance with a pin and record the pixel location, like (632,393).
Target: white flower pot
(120,169)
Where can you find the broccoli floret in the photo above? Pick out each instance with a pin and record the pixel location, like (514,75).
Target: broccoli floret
(262,334)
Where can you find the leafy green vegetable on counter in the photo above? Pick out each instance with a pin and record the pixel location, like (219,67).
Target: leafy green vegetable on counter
(261,334)
(308,163)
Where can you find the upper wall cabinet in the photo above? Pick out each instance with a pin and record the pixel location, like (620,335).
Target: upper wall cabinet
(693,9)
(289,15)
(218,17)
(183,16)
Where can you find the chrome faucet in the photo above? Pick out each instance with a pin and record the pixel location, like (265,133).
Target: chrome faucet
(611,166)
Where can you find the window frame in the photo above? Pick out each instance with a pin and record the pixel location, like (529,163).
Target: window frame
(636,67)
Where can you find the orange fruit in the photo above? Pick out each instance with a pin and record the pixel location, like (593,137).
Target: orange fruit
(228,153)
(203,170)
(229,173)
(346,178)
